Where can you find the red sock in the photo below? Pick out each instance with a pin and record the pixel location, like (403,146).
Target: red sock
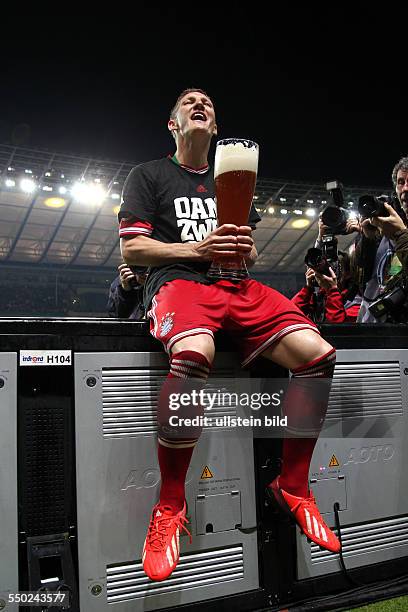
(305,405)
(188,371)
(174,462)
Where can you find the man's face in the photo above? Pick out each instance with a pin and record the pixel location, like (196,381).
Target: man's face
(195,114)
(402,189)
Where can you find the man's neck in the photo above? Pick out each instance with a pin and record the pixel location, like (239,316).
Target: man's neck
(192,154)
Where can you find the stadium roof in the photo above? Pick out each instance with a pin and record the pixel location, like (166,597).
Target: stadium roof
(60,210)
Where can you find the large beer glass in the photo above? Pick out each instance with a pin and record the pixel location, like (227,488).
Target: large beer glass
(235,170)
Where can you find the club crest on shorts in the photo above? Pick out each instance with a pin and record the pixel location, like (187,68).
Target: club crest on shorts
(167,323)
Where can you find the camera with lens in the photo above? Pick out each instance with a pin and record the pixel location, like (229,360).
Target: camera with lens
(317,260)
(334,216)
(371,206)
(320,260)
(393,301)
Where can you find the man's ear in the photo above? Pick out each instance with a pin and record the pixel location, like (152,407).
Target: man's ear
(215,130)
(172,125)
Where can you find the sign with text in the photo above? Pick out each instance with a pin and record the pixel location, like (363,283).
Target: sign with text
(45,358)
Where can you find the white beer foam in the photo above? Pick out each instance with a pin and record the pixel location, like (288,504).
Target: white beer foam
(231,157)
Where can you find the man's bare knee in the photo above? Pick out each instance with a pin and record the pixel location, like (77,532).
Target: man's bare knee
(297,349)
(201,343)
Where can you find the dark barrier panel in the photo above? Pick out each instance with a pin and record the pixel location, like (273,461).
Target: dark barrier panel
(78,465)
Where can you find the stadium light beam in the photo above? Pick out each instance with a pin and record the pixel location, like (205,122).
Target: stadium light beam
(86,193)
(27,185)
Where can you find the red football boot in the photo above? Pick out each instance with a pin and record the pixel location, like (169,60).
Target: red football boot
(306,514)
(161,550)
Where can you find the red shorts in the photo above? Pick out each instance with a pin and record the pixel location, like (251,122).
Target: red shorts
(256,315)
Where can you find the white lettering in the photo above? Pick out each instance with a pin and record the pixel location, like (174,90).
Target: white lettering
(200,231)
(198,210)
(212,207)
(185,232)
(195,208)
(196,218)
(182,207)
(211,225)
(194,231)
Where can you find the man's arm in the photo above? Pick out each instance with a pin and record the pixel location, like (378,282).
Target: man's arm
(334,307)
(144,251)
(302,299)
(401,240)
(225,241)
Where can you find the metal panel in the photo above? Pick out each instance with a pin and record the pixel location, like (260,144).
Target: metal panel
(8,473)
(329,491)
(222,565)
(362,449)
(130,397)
(118,483)
(366,389)
(220,512)
(366,538)
(363,544)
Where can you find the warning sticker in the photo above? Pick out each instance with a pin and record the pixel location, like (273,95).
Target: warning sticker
(206,473)
(334,462)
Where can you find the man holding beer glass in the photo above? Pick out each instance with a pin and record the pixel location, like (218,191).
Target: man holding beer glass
(198,284)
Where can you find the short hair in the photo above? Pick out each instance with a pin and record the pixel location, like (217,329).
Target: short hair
(175,108)
(401,165)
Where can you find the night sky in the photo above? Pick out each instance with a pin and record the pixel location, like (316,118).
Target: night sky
(323,92)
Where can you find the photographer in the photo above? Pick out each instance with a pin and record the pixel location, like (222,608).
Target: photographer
(126,293)
(383,247)
(327,299)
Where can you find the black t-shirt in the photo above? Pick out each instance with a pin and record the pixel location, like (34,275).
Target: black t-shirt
(169,203)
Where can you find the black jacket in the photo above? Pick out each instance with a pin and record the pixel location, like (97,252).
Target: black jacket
(125,304)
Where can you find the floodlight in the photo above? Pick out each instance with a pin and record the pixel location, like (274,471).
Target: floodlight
(27,185)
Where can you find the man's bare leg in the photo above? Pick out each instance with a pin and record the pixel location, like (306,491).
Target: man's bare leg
(201,343)
(297,349)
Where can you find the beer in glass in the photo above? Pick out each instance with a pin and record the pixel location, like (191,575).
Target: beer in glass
(235,170)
